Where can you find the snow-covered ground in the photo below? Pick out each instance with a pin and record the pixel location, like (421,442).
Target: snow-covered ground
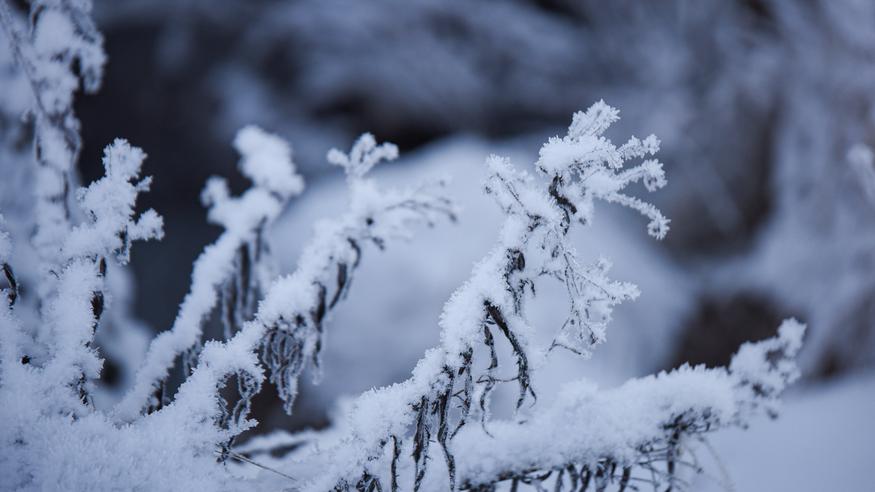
(823,440)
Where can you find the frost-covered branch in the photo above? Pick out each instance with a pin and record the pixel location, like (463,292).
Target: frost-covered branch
(200,422)
(73,312)
(58,47)
(233,261)
(49,364)
(295,328)
(450,385)
(61,352)
(288,327)
(642,431)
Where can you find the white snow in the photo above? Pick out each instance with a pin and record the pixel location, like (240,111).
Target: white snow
(822,440)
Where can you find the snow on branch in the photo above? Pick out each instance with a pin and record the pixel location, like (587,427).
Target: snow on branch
(111,225)
(584,166)
(450,386)
(60,348)
(294,310)
(640,432)
(364,155)
(57,48)
(232,263)
(388,438)
(109,205)
(179,442)
(288,326)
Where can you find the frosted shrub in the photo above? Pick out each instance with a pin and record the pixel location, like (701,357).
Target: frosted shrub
(60,429)
(642,431)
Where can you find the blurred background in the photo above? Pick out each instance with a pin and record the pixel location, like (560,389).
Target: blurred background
(758,104)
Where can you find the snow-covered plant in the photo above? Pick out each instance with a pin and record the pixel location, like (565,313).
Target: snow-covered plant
(285,331)
(52,430)
(390,436)
(58,50)
(54,433)
(287,327)
(232,264)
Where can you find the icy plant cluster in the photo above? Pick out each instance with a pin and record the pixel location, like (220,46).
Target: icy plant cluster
(436,431)
(53,428)
(59,429)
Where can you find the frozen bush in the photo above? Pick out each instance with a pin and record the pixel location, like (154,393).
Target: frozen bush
(55,434)
(640,431)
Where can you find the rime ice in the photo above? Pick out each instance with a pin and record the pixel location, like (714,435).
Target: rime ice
(434,431)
